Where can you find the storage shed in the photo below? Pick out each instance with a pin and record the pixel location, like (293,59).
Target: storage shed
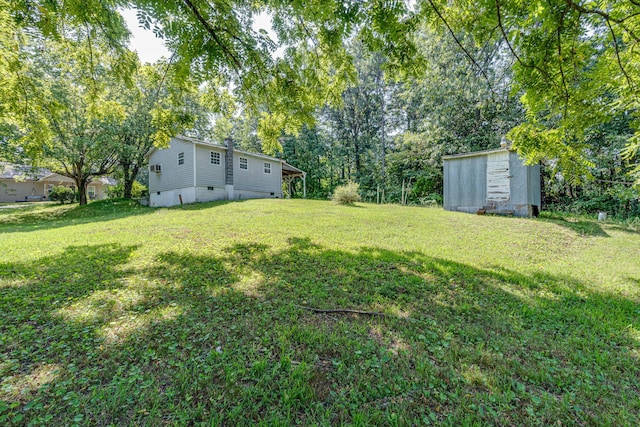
(492,181)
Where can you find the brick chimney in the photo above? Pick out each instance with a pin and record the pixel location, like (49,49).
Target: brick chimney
(228,165)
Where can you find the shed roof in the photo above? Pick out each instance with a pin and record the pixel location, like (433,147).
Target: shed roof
(476,153)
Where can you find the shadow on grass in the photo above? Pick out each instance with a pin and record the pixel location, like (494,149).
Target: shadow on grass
(350,205)
(63,216)
(207,205)
(624,229)
(192,338)
(635,280)
(585,228)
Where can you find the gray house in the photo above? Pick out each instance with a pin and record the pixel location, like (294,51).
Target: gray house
(492,181)
(190,170)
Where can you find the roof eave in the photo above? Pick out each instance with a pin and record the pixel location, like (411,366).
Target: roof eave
(476,153)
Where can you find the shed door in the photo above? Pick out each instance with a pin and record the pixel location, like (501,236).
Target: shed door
(498,188)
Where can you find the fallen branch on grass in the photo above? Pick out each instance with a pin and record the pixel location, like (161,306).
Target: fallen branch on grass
(342,310)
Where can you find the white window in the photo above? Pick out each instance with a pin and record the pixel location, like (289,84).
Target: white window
(215,158)
(267,167)
(91,191)
(244,164)
(180,158)
(49,188)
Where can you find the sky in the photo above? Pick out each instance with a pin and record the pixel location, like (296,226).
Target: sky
(150,48)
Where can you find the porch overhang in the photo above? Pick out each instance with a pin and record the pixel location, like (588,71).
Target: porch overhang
(290,172)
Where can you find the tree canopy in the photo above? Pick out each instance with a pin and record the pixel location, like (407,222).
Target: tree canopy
(70,121)
(574,63)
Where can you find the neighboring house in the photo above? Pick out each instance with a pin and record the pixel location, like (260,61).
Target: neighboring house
(492,181)
(190,170)
(22,183)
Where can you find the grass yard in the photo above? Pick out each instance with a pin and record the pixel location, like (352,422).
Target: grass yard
(115,314)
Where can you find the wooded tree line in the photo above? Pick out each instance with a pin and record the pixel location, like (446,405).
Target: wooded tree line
(374,92)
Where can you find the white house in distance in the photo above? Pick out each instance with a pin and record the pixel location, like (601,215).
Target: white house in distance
(190,170)
(22,183)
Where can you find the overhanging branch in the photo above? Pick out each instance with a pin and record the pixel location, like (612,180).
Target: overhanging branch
(466,52)
(225,49)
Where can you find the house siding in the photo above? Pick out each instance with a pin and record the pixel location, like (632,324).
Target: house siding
(19,191)
(13,191)
(253,181)
(208,174)
(57,180)
(100,189)
(173,176)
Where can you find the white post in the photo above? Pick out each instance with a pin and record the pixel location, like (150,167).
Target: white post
(304,185)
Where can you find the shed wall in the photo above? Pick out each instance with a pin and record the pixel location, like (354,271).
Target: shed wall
(465,186)
(519,180)
(534,189)
(525,187)
(498,180)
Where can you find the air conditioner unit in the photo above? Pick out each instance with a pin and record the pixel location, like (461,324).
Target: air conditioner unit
(156,168)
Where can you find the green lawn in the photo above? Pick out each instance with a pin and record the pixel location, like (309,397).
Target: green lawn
(115,314)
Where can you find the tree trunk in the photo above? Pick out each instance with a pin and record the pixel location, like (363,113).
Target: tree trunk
(127,182)
(358,164)
(381,86)
(130,175)
(81,183)
(128,186)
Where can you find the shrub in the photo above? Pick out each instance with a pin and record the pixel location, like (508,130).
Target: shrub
(62,194)
(138,191)
(346,194)
(431,200)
